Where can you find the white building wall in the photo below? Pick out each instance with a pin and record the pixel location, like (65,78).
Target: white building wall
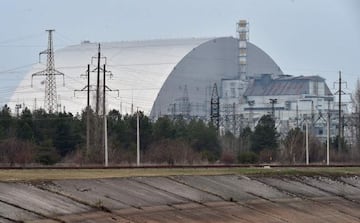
(292,110)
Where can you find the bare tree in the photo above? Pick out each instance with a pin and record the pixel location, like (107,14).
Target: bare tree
(355,117)
(352,123)
(357,114)
(16,152)
(293,146)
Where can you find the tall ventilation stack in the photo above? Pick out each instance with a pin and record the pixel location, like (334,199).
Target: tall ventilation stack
(243,31)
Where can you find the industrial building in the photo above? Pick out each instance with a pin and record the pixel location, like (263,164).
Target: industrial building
(176,77)
(290,100)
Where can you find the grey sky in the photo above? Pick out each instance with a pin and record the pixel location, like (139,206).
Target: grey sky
(305,37)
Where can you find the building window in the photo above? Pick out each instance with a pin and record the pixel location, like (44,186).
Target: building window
(232,92)
(321,131)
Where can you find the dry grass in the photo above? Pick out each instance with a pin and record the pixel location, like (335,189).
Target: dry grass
(60,174)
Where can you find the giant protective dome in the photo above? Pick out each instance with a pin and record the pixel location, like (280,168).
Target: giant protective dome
(152,75)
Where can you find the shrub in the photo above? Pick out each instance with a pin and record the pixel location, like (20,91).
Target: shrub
(228,157)
(267,156)
(171,152)
(248,157)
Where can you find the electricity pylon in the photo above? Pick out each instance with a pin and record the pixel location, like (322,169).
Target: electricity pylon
(215,107)
(50,72)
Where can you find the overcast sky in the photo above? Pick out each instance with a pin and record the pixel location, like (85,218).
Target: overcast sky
(307,37)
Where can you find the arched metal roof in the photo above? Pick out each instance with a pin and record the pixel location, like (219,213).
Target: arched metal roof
(194,76)
(146,73)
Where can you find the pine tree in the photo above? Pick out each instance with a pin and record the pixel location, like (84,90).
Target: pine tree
(265,135)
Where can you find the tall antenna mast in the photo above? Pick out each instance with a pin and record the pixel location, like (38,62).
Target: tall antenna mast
(50,72)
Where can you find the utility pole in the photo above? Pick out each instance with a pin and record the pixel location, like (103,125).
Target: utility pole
(98,81)
(340,92)
(88,112)
(173,110)
(50,72)
(105,120)
(88,86)
(307,142)
(137,138)
(312,114)
(328,139)
(98,69)
(234,119)
(88,89)
(132,102)
(340,121)
(98,140)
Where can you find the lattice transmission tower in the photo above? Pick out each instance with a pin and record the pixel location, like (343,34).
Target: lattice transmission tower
(215,107)
(50,72)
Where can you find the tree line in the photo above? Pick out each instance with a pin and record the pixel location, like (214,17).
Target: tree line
(40,137)
(37,137)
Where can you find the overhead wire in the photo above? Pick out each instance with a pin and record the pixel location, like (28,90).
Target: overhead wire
(17,68)
(133,67)
(21,38)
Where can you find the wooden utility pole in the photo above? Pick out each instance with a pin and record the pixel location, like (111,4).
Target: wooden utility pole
(88,112)
(307,142)
(340,122)
(105,120)
(97,132)
(137,138)
(328,136)
(340,129)
(98,82)
(88,109)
